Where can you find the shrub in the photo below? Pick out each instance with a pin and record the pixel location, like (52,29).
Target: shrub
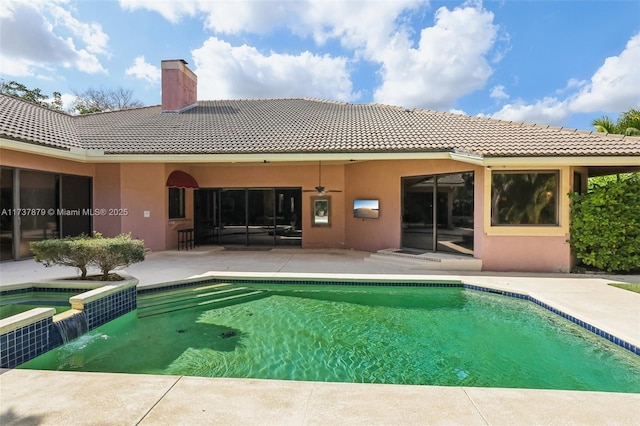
(605,225)
(83,251)
(69,251)
(110,253)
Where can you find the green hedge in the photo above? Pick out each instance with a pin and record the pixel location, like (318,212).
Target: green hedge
(605,225)
(84,251)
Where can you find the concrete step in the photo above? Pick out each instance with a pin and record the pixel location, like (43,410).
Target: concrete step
(225,300)
(179,293)
(187,297)
(426,261)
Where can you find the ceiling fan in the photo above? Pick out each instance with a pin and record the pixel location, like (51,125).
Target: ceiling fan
(320,190)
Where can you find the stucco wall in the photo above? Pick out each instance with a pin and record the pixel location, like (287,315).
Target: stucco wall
(143,189)
(530,253)
(107,194)
(382,180)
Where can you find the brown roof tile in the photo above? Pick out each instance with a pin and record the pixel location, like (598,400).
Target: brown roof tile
(298,126)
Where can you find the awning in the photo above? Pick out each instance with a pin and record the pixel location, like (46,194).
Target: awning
(180,179)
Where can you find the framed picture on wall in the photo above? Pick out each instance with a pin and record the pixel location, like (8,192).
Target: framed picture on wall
(321,211)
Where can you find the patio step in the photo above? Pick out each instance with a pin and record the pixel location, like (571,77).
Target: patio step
(175,300)
(174,295)
(426,260)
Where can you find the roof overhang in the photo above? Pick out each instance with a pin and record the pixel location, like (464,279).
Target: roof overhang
(99,156)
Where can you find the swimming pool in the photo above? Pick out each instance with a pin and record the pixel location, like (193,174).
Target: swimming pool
(405,335)
(13,304)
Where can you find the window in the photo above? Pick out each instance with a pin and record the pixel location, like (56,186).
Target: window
(176,203)
(524,198)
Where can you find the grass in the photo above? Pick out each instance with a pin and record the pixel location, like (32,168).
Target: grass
(634,287)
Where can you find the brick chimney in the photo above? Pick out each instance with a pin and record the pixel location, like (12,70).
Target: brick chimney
(179,86)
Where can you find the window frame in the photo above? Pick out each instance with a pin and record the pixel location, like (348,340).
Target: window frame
(179,211)
(557,199)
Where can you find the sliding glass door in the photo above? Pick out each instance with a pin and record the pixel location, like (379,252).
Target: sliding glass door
(40,205)
(437,212)
(248,216)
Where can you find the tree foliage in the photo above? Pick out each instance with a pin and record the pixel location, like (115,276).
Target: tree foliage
(89,101)
(83,251)
(628,123)
(32,95)
(101,100)
(605,224)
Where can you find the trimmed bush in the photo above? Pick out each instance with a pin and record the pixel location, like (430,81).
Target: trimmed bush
(605,225)
(84,251)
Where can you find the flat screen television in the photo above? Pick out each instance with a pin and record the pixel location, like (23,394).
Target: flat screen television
(366,209)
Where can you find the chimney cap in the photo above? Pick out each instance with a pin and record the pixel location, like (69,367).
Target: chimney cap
(169,61)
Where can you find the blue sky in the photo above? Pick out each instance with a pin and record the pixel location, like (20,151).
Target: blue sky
(559,63)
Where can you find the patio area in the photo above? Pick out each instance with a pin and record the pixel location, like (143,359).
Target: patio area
(48,397)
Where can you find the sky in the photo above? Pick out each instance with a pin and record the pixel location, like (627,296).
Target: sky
(559,63)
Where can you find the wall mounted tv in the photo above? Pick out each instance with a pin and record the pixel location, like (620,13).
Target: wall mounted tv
(366,209)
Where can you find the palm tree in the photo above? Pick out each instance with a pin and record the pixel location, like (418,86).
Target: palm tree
(628,123)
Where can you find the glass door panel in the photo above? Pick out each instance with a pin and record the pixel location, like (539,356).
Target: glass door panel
(206,216)
(233,216)
(261,218)
(418,212)
(38,198)
(455,213)
(7,217)
(288,204)
(75,197)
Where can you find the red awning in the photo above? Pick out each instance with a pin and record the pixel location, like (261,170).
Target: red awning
(179,179)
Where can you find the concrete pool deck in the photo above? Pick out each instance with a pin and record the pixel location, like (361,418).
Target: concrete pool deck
(53,397)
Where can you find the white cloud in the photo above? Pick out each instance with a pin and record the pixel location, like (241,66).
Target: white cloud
(498,92)
(368,26)
(90,34)
(449,62)
(172,11)
(228,72)
(145,71)
(34,39)
(68,100)
(614,87)
(616,84)
(551,111)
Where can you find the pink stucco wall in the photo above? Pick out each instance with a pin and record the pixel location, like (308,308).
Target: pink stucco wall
(142,187)
(107,194)
(382,180)
(530,253)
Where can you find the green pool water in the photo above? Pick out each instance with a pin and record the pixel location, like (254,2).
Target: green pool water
(22,302)
(402,335)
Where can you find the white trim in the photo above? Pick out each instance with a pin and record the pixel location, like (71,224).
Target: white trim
(98,156)
(628,160)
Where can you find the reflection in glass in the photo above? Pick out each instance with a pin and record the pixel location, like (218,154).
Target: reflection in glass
(6,219)
(519,198)
(38,193)
(437,213)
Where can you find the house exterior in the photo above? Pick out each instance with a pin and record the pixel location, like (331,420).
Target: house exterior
(302,172)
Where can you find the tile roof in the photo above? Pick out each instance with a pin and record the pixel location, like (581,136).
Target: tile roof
(298,126)
(28,122)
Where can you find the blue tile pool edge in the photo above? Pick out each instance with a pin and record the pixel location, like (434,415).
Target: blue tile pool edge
(610,337)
